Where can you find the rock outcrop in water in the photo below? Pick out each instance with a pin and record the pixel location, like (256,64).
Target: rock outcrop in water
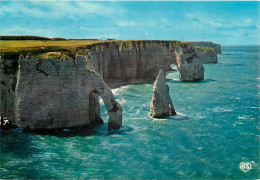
(53,94)
(161,104)
(189,64)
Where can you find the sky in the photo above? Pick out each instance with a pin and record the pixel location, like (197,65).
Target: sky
(226,23)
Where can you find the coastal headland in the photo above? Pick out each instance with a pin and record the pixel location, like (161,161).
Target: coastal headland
(48,84)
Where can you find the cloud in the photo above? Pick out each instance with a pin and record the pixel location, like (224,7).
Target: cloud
(126,23)
(60,32)
(18,30)
(105,36)
(58,9)
(162,23)
(21,10)
(248,21)
(201,22)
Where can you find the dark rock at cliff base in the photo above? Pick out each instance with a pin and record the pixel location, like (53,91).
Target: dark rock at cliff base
(5,124)
(161,104)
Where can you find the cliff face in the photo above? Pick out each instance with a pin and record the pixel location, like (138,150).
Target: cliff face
(53,94)
(131,61)
(8,78)
(206,56)
(135,61)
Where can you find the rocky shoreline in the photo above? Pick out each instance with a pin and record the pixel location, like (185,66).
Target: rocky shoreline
(41,93)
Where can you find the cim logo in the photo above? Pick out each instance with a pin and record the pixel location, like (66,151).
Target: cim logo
(245,166)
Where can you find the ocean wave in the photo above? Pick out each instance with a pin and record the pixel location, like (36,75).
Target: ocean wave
(101,102)
(116,91)
(147,85)
(200,116)
(181,114)
(238,124)
(221,109)
(121,101)
(243,117)
(235,97)
(253,107)
(178,116)
(160,119)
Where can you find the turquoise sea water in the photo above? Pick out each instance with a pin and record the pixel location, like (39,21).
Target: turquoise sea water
(217,128)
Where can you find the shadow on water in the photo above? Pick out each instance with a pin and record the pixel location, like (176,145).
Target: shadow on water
(69,132)
(176,117)
(201,81)
(17,142)
(194,82)
(122,131)
(205,81)
(232,54)
(91,130)
(234,64)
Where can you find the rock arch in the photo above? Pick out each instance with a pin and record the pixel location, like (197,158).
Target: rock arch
(113,107)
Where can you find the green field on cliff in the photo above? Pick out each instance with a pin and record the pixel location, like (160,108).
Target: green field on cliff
(13,48)
(17,45)
(65,49)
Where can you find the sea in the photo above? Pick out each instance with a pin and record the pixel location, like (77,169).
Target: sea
(214,135)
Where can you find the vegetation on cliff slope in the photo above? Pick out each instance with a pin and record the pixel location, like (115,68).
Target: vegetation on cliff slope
(55,55)
(205,49)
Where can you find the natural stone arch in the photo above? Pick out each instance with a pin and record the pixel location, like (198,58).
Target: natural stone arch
(113,107)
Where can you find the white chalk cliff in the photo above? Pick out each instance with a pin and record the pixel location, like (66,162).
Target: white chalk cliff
(189,64)
(54,93)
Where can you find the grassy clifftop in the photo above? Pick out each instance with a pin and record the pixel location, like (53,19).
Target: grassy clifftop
(13,48)
(67,49)
(205,49)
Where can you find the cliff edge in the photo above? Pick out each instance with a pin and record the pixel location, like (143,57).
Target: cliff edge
(59,89)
